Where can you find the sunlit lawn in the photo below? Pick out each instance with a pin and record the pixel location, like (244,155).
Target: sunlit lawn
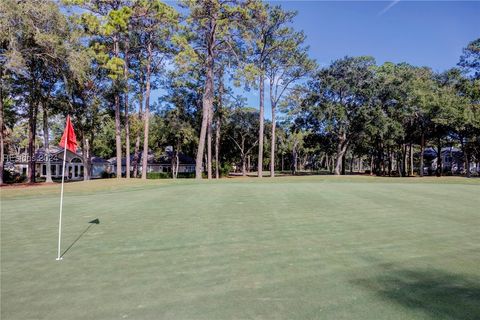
(283,248)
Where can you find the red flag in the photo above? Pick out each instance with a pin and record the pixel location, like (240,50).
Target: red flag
(69,135)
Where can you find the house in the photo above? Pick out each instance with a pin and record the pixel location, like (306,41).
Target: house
(99,167)
(162,163)
(452,159)
(74,167)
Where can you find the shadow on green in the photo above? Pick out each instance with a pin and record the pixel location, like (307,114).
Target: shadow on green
(90,224)
(438,294)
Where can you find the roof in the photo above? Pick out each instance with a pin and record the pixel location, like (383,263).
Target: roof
(98,160)
(183,159)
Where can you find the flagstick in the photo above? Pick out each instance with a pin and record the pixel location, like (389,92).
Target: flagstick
(61,195)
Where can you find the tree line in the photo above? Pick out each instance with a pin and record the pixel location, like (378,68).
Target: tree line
(139,75)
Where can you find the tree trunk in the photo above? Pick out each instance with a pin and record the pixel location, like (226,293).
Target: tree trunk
(467,163)
(205,158)
(439,158)
(371,165)
(48,178)
(217,148)
(32,130)
(403,160)
(320,162)
(127,120)
(207,104)
(218,127)
(422,148)
(86,159)
(260,131)
(274,124)
(90,142)
(294,157)
(391,161)
(410,152)
(466,160)
(136,157)
(146,115)
(118,133)
(244,169)
(384,167)
(341,149)
(173,164)
(209,142)
(272,146)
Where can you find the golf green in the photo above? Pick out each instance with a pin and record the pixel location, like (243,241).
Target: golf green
(285,248)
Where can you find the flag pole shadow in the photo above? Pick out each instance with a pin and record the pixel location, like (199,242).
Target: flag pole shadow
(90,224)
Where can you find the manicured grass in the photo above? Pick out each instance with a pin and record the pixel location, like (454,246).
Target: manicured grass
(287,248)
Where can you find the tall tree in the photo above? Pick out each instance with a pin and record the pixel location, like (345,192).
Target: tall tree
(242,127)
(269,33)
(153,23)
(339,98)
(107,22)
(36,55)
(214,27)
(285,66)
(126,100)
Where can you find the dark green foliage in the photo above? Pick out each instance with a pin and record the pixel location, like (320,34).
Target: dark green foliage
(13,177)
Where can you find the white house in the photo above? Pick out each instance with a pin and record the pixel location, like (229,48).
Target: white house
(74,167)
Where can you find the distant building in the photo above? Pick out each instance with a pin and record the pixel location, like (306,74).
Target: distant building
(452,158)
(74,167)
(162,163)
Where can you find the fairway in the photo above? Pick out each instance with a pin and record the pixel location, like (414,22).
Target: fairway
(283,248)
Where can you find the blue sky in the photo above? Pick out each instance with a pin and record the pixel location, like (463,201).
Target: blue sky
(430,33)
(422,33)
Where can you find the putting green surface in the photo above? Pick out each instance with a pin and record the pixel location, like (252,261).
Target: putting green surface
(287,248)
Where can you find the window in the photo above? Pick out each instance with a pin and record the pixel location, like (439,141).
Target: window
(53,168)
(44,169)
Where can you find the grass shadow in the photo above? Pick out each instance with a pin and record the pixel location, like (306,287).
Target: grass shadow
(437,294)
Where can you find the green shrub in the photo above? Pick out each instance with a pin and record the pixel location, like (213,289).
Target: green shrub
(13,177)
(158,175)
(186,175)
(225,169)
(107,175)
